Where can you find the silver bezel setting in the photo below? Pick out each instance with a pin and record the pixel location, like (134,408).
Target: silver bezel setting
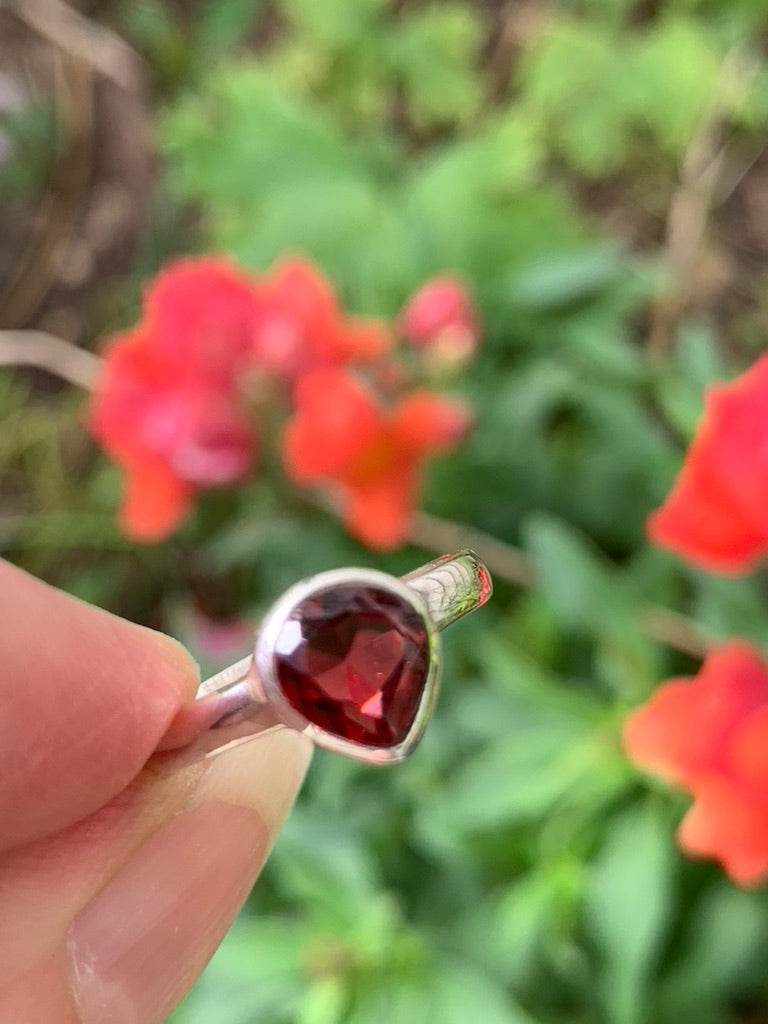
(264,661)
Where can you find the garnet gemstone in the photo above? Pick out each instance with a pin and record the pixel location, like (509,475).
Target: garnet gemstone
(354,660)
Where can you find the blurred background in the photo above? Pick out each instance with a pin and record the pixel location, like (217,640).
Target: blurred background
(597,173)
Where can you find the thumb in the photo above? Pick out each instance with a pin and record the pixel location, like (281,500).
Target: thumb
(119,913)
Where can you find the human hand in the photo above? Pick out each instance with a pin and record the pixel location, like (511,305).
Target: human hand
(117,881)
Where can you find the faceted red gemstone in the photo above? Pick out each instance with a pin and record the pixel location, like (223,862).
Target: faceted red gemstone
(354,660)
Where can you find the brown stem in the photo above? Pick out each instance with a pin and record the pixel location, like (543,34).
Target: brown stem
(691,204)
(514,29)
(513,566)
(73,33)
(36,348)
(441,535)
(674,630)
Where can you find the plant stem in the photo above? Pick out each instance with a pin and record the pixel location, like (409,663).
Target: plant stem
(441,535)
(75,34)
(46,352)
(511,565)
(692,202)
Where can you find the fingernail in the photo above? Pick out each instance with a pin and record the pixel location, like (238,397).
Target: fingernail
(265,774)
(147,934)
(140,944)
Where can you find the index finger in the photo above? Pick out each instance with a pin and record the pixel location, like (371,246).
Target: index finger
(84,698)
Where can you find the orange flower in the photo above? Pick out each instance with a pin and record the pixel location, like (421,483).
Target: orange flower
(340,436)
(709,735)
(717,513)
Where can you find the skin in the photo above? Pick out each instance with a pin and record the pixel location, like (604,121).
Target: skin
(118,878)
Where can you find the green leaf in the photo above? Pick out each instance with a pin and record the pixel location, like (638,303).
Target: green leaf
(730,607)
(698,355)
(548,751)
(322,864)
(458,990)
(241,138)
(674,72)
(580,585)
(698,363)
(474,219)
(539,765)
(509,931)
(726,939)
(628,910)
(452,992)
(559,279)
(573,77)
(224,23)
(257,972)
(324,1002)
(434,52)
(398,1003)
(334,24)
(531,688)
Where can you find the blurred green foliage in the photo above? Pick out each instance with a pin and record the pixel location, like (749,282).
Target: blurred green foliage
(29,143)
(515,870)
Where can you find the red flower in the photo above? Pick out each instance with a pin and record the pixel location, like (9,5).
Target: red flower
(301,325)
(440,317)
(171,405)
(204,314)
(340,436)
(717,513)
(709,735)
(167,406)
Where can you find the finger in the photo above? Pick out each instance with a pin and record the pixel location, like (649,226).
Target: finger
(113,919)
(84,698)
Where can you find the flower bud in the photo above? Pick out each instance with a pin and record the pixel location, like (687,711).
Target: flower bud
(441,319)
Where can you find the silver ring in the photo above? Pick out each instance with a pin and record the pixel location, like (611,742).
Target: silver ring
(349,658)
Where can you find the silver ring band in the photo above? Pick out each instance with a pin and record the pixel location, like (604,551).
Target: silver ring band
(244,700)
